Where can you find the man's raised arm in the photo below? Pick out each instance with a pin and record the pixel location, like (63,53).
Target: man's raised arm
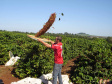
(46,44)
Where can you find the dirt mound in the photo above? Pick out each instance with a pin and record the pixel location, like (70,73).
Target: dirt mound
(69,67)
(5,74)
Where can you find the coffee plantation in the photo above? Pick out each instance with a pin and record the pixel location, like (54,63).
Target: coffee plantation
(93,63)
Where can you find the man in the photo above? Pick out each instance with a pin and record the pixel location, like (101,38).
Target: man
(58,58)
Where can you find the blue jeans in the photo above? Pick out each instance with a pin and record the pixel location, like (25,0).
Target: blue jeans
(57,72)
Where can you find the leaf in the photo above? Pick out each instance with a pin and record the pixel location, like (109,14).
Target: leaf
(59,19)
(62,14)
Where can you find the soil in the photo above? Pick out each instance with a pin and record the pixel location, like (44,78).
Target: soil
(7,77)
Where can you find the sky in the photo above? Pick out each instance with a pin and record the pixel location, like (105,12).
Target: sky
(92,17)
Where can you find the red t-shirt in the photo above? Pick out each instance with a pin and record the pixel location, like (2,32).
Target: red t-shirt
(58,58)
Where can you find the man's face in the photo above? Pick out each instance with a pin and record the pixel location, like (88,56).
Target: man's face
(56,40)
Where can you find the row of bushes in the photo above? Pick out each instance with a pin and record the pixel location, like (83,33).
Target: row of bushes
(36,59)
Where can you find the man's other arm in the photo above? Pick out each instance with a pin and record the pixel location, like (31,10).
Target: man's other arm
(52,42)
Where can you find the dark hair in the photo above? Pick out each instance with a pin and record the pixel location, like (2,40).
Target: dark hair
(59,38)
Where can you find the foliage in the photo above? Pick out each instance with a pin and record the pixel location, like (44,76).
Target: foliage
(109,39)
(94,64)
(94,60)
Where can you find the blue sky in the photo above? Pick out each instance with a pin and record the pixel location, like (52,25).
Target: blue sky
(93,17)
